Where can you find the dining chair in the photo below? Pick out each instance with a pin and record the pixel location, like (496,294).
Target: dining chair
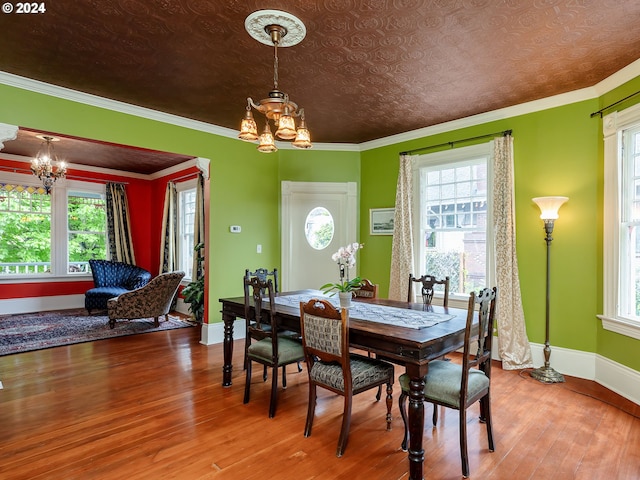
(428,282)
(366,290)
(263,274)
(458,386)
(330,365)
(266,344)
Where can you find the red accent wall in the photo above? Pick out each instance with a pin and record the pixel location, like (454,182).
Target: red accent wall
(146,203)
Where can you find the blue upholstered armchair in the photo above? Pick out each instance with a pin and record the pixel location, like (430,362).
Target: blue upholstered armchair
(110,280)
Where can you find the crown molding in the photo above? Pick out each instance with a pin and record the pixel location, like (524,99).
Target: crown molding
(615,80)
(114,105)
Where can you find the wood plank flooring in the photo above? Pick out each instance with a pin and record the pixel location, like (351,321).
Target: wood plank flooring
(152,407)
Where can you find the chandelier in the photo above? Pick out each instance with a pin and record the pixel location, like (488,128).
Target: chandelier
(280,29)
(42,165)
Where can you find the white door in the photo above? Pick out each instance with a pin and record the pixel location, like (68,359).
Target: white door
(306,258)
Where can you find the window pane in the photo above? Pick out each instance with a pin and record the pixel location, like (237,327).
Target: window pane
(629,261)
(187,213)
(319,228)
(453,212)
(86,227)
(25,223)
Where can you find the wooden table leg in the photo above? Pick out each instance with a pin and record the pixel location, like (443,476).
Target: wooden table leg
(416,427)
(228,349)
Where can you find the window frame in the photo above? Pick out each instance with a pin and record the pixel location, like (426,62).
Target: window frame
(59,227)
(450,157)
(182,187)
(612,126)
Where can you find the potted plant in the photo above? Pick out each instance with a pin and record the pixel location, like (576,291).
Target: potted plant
(193,293)
(346,259)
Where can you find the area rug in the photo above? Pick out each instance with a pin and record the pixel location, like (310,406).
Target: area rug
(35,331)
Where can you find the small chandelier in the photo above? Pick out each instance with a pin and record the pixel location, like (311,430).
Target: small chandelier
(42,165)
(280,29)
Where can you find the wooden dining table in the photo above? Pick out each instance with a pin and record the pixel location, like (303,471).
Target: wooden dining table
(412,348)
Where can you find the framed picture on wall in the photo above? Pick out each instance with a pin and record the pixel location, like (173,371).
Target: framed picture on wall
(381,221)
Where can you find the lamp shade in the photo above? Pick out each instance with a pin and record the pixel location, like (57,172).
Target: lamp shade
(549,206)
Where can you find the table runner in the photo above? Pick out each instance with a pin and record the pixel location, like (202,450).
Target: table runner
(401,317)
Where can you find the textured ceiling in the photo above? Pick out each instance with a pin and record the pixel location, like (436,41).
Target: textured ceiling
(366,69)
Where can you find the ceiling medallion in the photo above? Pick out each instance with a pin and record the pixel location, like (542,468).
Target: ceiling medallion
(280,29)
(42,165)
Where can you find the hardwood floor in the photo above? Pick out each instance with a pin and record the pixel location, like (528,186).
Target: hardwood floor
(152,407)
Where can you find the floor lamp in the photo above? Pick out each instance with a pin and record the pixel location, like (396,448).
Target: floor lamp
(549,207)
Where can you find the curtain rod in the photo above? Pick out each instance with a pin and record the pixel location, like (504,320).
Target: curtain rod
(599,112)
(504,133)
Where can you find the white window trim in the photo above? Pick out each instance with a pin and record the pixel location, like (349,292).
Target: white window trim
(181,187)
(442,158)
(58,227)
(612,126)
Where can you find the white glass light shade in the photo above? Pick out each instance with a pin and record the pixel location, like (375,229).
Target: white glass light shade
(303,138)
(549,206)
(248,128)
(267,142)
(286,127)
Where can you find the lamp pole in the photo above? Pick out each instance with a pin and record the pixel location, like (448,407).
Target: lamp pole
(549,207)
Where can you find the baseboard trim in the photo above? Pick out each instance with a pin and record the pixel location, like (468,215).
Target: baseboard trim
(616,377)
(14,306)
(213,333)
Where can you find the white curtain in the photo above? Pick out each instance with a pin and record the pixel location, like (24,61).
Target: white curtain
(402,244)
(514,349)
(118,224)
(169,238)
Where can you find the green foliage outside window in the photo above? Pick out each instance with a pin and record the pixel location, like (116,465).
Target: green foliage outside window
(25,223)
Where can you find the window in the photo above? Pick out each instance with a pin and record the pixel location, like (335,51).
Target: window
(319,228)
(50,235)
(621,296)
(86,229)
(452,197)
(186,220)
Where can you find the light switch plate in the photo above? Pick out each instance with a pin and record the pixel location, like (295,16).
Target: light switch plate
(235,229)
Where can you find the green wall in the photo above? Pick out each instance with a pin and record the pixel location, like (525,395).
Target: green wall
(557,152)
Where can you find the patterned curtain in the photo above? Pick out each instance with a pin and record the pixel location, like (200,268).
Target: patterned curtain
(514,348)
(198,229)
(118,226)
(169,240)
(402,244)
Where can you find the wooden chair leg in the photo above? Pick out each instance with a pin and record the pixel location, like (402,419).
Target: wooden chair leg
(435,415)
(346,424)
(264,374)
(402,405)
(464,455)
(486,409)
(156,322)
(274,392)
(379,394)
(284,376)
(389,404)
(247,383)
(311,409)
